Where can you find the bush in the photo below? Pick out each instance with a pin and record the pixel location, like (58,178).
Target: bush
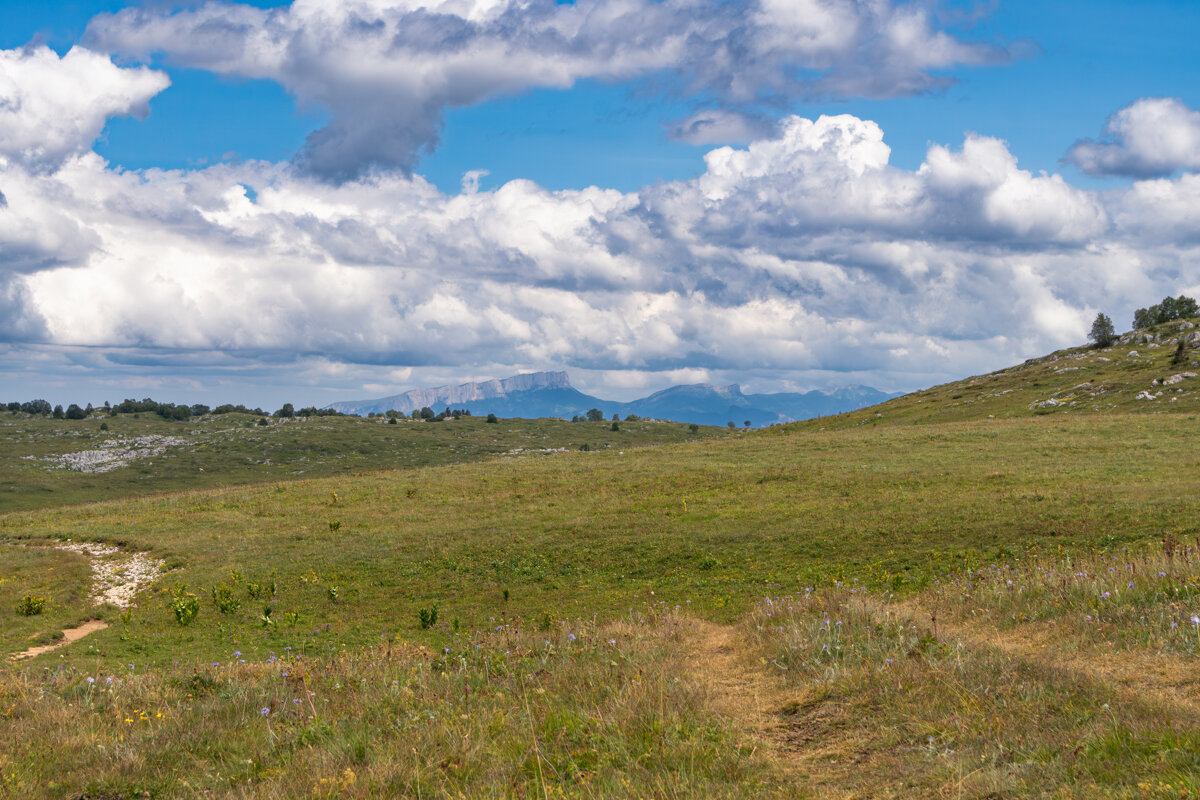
(428,617)
(224,600)
(492,418)
(184,605)
(693,427)
(31,606)
(75,412)
(616,426)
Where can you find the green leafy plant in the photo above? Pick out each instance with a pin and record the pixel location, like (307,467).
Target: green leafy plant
(224,600)
(258,591)
(184,605)
(428,617)
(332,593)
(30,606)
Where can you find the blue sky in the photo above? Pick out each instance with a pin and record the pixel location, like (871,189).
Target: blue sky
(265,202)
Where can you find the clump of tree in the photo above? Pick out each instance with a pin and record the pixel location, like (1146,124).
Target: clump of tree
(595,415)
(229,408)
(1103,333)
(39,407)
(1169,310)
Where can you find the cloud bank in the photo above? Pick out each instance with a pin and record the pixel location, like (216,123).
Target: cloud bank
(387,70)
(803,252)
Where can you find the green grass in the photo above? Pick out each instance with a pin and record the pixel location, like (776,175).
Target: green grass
(708,526)
(233,449)
(579,711)
(519,553)
(940,715)
(1079,381)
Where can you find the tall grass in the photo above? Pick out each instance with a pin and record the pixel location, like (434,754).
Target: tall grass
(583,710)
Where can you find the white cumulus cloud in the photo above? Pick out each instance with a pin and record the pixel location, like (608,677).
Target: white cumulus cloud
(52,108)
(387,70)
(1154,136)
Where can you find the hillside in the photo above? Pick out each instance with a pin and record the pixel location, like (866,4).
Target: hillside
(47,462)
(1138,375)
(962,607)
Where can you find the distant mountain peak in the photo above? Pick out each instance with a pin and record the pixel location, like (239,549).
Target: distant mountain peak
(550,394)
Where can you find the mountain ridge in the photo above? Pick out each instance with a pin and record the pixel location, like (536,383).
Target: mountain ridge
(550,394)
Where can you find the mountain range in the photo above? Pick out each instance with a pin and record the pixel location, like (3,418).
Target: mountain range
(550,394)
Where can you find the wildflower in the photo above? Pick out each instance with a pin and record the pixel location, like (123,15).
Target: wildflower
(1195,620)
(237,653)
(91,680)
(612,641)
(108,681)
(1131,584)
(571,636)
(264,711)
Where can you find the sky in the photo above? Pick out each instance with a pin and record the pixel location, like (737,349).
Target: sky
(316,201)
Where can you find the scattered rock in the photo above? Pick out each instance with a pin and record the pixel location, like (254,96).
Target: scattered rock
(117,576)
(1178,378)
(116,453)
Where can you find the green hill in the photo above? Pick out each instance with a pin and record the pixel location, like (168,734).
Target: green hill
(1144,373)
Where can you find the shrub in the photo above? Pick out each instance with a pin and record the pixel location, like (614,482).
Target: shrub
(693,427)
(224,599)
(616,426)
(428,617)
(31,606)
(184,605)
(492,418)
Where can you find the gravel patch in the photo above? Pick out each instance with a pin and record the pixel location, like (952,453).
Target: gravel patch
(116,453)
(117,576)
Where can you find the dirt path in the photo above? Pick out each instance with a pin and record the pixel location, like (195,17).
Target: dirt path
(745,693)
(1162,678)
(117,577)
(69,635)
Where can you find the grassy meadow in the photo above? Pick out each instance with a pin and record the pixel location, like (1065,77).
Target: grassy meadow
(989,607)
(232,449)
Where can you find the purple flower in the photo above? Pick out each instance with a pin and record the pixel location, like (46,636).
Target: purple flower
(570,637)
(264,711)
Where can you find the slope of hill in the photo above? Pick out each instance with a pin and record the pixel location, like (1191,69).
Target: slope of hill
(550,394)
(1155,370)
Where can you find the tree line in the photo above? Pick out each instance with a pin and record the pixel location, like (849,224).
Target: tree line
(1170,309)
(171,411)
